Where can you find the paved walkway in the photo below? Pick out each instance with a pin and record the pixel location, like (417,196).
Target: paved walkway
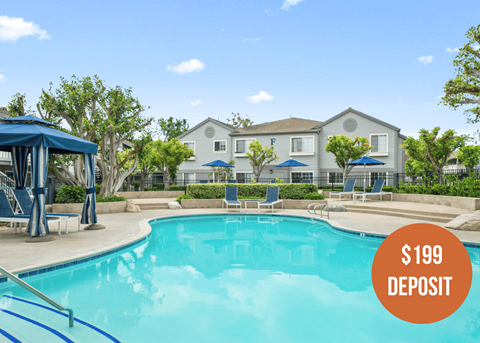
(122,228)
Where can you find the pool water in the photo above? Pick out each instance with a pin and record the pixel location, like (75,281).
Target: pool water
(245,278)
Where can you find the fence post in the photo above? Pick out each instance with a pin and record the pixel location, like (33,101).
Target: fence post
(395,180)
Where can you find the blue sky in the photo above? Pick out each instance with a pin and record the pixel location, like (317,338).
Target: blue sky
(267,59)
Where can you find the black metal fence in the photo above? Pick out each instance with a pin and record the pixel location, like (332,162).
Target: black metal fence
(334,180)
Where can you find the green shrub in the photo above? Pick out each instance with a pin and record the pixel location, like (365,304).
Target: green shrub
(159,186)
(183,196)
(314,196)
(97,189)
(250,191)
(148,189)
(136,184)
(70,195)
(176,188)
(111,198)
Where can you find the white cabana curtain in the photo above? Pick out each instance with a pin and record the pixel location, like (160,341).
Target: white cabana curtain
(20,167)
(38,225)
(89,214)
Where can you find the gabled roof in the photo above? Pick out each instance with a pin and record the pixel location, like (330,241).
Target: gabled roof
(284,125)
(219,123)
(366,116)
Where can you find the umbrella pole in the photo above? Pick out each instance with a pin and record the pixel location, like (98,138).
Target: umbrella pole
(364,177)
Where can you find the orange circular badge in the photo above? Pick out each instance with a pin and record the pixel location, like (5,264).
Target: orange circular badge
(422,273)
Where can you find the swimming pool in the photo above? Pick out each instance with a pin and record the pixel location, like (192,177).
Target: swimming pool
(244,278)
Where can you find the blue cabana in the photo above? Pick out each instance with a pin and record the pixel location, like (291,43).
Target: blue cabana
(30,135)
(217,163)
(365,161)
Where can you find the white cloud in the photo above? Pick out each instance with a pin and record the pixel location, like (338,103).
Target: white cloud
(187,67)
(288,3)
(452,50)
(250,39)
(262,96)
(256,39)
(246,39)
(11,29)
(476,47)
(195,103)
(2,78)
(426,59)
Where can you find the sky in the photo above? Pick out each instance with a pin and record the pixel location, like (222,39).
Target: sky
(265,59)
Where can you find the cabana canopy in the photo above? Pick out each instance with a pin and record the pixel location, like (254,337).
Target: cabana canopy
(25,131)
(30,135)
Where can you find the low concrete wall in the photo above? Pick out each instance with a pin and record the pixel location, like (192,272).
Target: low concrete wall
(470,204)
(102,207)
(150,195)
(217,203)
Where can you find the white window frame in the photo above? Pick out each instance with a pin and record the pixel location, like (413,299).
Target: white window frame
(243,172)
(192,158)
(220,152)
(301,171)
(194,176)
(335,183)
(386,177)
(240,154)
(384,153)
(302,153)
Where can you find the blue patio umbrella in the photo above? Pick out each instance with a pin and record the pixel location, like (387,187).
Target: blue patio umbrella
(365,161)
(218,163)
(291,163)
(28,134)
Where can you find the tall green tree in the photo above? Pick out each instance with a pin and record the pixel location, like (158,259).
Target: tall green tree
(260,156)
(169,156)
(434,148)
(464,88)
(346,150)
(172,128)
(469,156)
(109,117)
(237,120)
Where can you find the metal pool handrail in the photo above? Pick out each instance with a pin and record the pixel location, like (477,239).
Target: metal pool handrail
(39,294)
(321,209)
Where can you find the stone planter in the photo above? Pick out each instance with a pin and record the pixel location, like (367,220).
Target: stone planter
(102,207)
(217,203)
(150,194)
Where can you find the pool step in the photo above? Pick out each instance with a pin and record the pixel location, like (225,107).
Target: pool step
(153,206)
(403,213)
(8,336)
(32,320)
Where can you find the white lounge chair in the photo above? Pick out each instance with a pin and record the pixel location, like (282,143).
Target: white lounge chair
(231,198)
(272,198)
(348,189)
(376,190)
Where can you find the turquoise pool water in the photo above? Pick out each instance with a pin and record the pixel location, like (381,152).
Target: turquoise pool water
(245,278)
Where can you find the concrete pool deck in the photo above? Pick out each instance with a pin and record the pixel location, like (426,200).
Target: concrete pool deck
(124,228)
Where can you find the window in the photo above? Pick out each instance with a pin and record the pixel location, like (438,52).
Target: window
(335,178)
(379,142)
(378,176)
(302,145)
(241,145)
(244,177)
(297,177)
(189,178)
(220,146)
(190,145)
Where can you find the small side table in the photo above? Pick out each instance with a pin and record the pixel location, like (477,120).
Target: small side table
(251,200)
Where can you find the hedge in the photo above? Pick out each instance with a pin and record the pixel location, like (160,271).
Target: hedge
(70,195)
(250,190)
(176,188)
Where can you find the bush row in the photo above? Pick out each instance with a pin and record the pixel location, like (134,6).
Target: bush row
(76,194)
(250,191)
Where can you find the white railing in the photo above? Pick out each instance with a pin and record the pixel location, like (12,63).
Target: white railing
(4,155)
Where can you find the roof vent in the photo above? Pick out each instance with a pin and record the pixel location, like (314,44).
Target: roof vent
(209,132)
(350,125)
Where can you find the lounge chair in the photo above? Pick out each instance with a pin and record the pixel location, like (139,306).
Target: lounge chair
(272,181)
(203,181)
(347,189)
(7,214)
(306,181)
(376,190)
(231,198)
(26,203)
(272,198)
(232,181)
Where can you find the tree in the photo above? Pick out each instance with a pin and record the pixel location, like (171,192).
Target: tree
(259,157)
(346,150)
(469,156)
(109,117)
(237,121)
(223,173)
(146,161)
(434,148)
(169,156)
(415,169)
(172,128)
(464,89)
